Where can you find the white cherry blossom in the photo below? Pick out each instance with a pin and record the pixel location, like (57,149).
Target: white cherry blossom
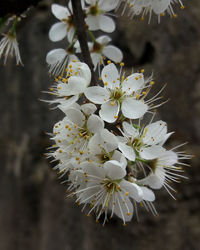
(145,142)
(73,134)
(69,86)
(9,48)
(106,191)
(96,15)
(101,49)
(119,94)
(57,60)
(164,171)
(65,27)
(159,7)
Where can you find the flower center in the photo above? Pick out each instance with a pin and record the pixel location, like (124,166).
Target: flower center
(110,185)
(104,157)
(69,21)
(116,95)
(84,132)
(97,47)
(94,10)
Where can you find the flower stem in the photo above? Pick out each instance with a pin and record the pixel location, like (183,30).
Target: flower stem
(13,28)
(91,36)
(82,37)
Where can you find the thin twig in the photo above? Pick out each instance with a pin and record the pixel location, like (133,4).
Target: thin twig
(82,36)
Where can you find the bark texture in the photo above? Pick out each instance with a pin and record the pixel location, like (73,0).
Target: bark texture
(34,213)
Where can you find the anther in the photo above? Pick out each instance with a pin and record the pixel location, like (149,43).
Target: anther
(112,103)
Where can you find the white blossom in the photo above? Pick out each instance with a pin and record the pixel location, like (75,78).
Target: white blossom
(96,15)
(119,93)
(68,87)
(65,27)
(159,7)
(106,190)
(164,171)
(146,142)
(101,49)
(73,134)
(57,60)
(9,48)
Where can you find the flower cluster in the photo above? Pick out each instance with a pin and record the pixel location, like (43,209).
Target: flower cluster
(159,7)
(96,18)
(112,160)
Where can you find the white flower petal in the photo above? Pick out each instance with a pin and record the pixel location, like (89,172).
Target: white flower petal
(160,6)
(135,192)
(95,124)
(165,138)
(70,34)
(154,180)
(152,152)
(122,139)
(108,112)
(129,130)
(81,70)
(110,75)
(96,58)
(118,156)
(55,56)
(88,108)
(113,53)
(127,151)
(109,140)
(58,31)
(148,194)
(106,24)
(103,40)
(94,144)
(92,22)
(91,2)
(114,170)
(168,158)
(75,116)
(133,83)
(123,207)
(155,133)
(133,109)
(66,103)
(97,94)
(75,85)
(94,170)
(59,11)
(108,5)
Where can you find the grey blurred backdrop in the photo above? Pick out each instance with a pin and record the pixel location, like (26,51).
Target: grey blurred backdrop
(34,214)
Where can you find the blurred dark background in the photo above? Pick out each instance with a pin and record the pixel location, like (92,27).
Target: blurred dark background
(34,214)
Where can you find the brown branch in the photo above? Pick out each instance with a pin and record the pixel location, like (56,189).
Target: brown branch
(79,16)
